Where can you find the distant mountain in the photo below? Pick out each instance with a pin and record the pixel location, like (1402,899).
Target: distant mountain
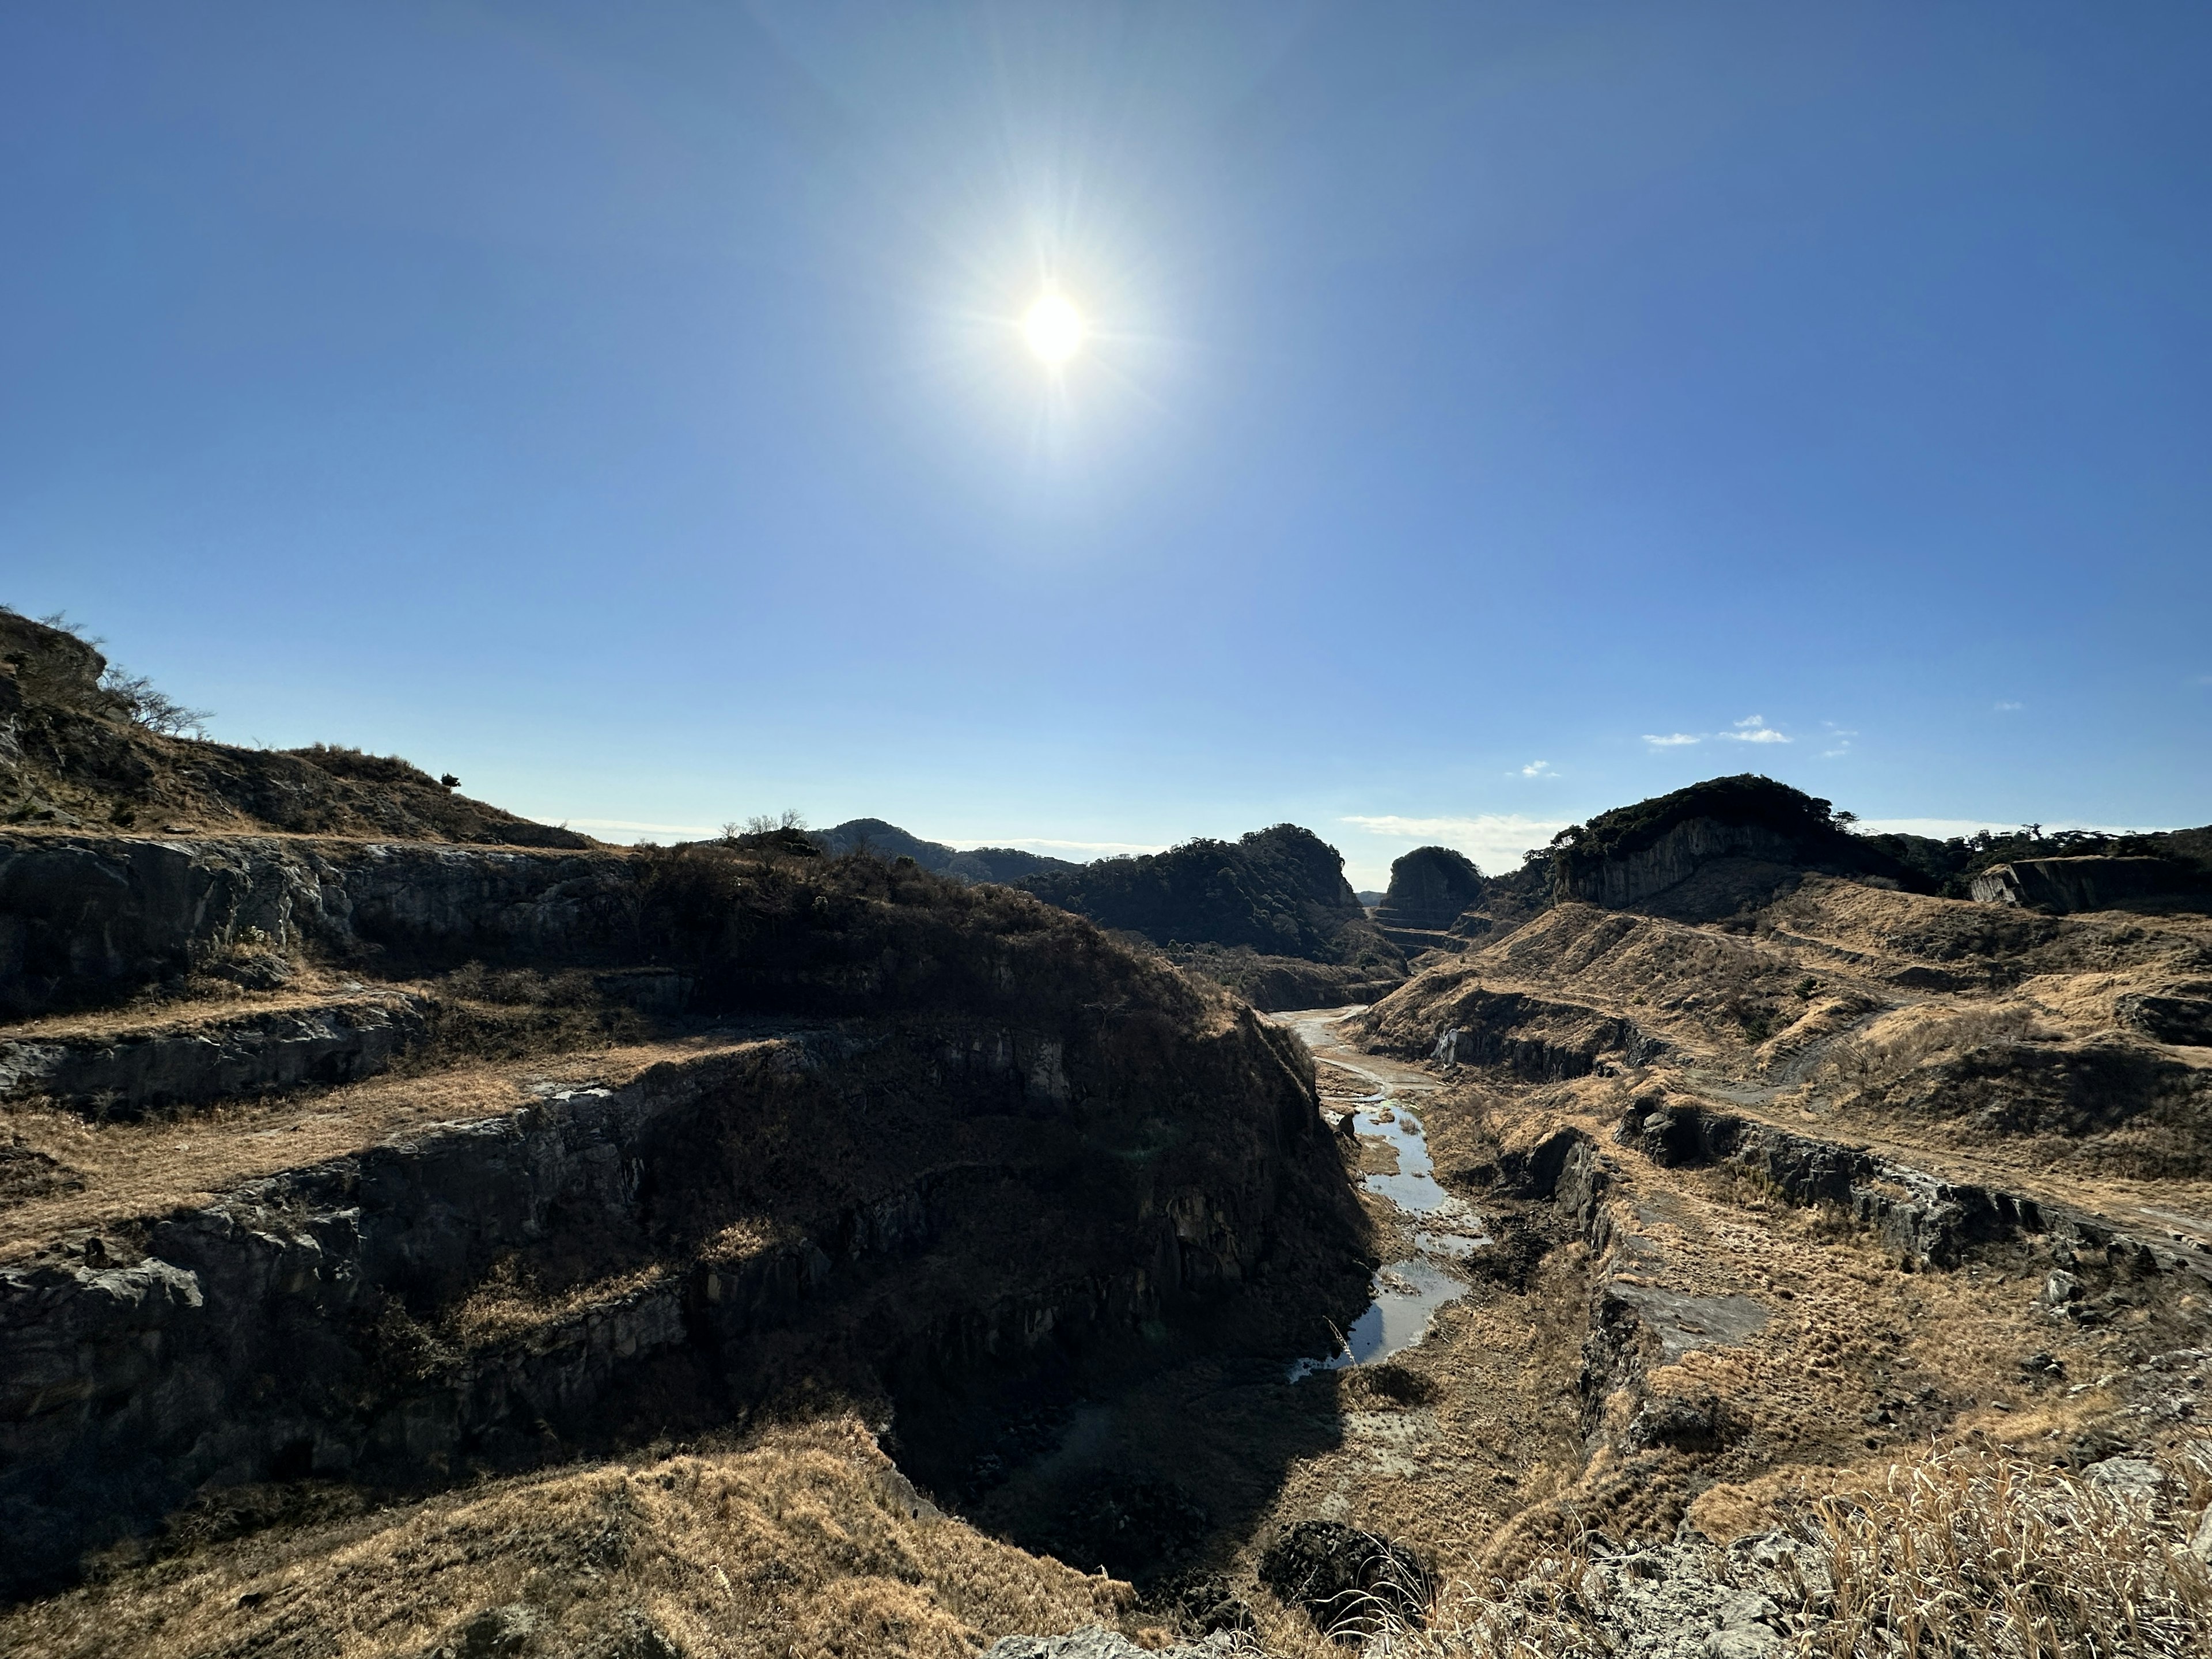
(1430,887)
(1710,849)
(1004,865)
(1281,893)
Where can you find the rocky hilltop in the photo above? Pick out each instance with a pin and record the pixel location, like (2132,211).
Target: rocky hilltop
(1431,889)
(75,753)
(887,840)
(1269,915)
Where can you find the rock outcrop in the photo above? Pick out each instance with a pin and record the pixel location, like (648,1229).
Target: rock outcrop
(1017,1144)
(1455,1021)
(2064,886)
(1430,888)
(85,920)
(1711,848)
(126,1074)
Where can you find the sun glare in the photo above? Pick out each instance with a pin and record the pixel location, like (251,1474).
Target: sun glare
(1053,329)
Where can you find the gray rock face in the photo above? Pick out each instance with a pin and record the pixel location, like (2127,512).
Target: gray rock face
(1911,1212)
(2065,885)
(1539,1039)
(128,1075)
(2184,1021)
(1693,1600)
(1681,1324)
(307,1324)
(87,922)
(2132,1480)
(1430,887)
(1675,858)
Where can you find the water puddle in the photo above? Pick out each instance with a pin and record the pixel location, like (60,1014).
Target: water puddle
(1407,1293)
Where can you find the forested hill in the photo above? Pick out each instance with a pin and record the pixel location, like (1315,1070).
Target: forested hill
(1279,891)
(887,840)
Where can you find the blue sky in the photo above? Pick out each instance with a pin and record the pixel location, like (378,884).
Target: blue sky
(625,407)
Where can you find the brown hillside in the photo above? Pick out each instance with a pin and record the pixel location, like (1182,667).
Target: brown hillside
(72,756)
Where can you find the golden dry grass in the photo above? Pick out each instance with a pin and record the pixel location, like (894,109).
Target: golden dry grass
(1970,1553)
(804,1544)
(1953,1554)
(131,1171)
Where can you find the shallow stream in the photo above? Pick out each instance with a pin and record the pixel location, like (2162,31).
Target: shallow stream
(1443,1230)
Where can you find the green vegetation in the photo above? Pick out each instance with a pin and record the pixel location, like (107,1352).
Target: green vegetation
(1278,891)
(1821,833)
(1430,887)
(1745,799)
(1952,864)
(888,842)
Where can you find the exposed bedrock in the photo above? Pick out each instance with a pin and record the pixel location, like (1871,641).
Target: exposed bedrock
(2065,885)
(1935,1222)
(126,1074)
(1639,1322)
(1430,887)
(1630,878)
(2185,1021)
(1539,1039)
(860,1207)
(87,922)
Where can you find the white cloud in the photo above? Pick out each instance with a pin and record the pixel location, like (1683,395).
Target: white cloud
(1495,841)
(1538,769)
(1671,740)
(2007,707)
(1754,729)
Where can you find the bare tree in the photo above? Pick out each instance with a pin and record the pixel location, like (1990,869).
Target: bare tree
(153,707)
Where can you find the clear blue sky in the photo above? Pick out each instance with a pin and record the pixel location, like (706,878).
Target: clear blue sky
(625,407)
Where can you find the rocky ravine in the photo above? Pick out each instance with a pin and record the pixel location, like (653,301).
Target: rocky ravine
(985,1142)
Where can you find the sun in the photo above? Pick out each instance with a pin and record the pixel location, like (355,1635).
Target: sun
(1053,329)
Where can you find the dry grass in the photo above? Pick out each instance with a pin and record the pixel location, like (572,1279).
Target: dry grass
(1959,1553)
(1909,1038)
(1968,1553)
(803,1545)
(131,1171)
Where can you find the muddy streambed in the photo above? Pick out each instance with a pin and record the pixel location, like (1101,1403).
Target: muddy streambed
(1436,1229)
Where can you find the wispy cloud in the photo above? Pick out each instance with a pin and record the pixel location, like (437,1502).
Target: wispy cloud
(1755,729)
(1538,769)
(1495,841)
(2007,707)
(1841,737)
(1752,728)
